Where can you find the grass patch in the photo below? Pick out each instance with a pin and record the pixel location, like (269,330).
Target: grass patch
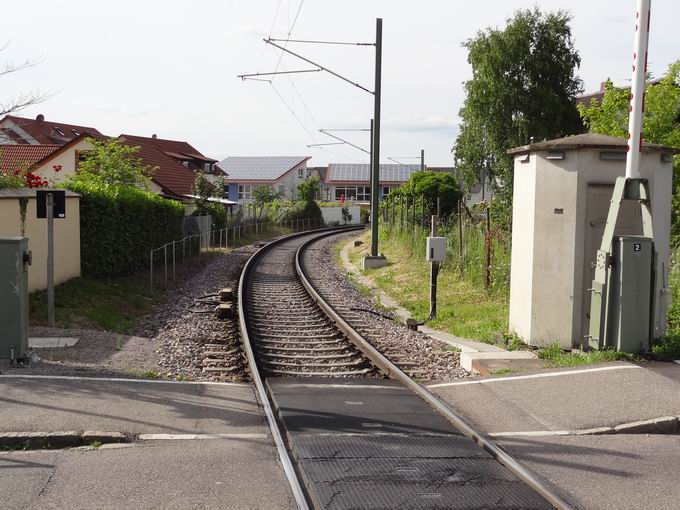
(501,371)
(112,305)
(668,350)
(151,374)
(556,357)
(464,308)
(450,348)
(96,444)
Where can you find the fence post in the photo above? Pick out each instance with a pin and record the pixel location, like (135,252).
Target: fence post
(200,242)
(183,252)
(487,281)
(165,256)
(174,275)
(422,212)
(413,215)
(461,255)
(401,212)
(151,271)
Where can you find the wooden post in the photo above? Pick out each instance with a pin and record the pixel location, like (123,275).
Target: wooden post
(487,281)
(461,256)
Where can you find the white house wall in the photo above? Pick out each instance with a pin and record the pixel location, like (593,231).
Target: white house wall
(67,160)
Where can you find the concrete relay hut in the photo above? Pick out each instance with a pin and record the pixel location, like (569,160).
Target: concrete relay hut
(561,196)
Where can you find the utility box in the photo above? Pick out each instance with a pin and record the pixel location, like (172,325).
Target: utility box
(629,310)
(561,197)
(435,250)
(14,261)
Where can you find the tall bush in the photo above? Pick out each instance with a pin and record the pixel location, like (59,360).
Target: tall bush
(120,225)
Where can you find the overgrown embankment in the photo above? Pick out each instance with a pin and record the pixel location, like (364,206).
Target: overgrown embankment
(464,306)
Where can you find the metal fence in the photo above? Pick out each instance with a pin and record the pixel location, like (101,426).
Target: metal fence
(177,257)
(479,250)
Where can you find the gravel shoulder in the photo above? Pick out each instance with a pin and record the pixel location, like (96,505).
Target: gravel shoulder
(170,343)
(422,357)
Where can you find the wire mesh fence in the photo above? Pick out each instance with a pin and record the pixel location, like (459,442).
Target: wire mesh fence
(477,249)
(172,260)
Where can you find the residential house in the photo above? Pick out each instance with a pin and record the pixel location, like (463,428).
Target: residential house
(351,182)
(52,162)
(53,150)
(170,177)
(182,152)
(55,163)
(22,131)
(281,173)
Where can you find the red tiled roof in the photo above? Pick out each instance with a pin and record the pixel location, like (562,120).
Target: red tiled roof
(48,132)
(13,157)
(171,147)
(8,134)
(173,177)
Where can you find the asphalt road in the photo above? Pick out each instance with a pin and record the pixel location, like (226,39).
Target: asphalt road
(205,474)
(637,471)
(632,472)
(240,470)
(52,404)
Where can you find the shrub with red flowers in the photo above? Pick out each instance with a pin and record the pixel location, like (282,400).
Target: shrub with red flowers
(22,177)
(35,180)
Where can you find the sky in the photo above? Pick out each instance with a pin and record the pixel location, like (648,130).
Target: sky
(170,67)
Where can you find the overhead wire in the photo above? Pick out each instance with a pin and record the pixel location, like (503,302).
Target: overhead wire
(271,29)
(290,31)
(294,88)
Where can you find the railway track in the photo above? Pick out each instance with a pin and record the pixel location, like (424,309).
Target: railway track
(363,434)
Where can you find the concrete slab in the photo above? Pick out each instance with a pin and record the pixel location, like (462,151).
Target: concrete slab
(468,359)
(570,399)
(376,262)
(463,344)
(51,342)
(635,472)
(215,474)
(53,404)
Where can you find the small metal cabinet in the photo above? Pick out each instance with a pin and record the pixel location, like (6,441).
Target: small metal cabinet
(631,293)
(435,249)
(14,261)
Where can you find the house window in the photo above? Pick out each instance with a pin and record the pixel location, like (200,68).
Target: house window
(353,193)
(80,157)
(282,189)
(207,167)
(301,173)
(386,191)
(244,192)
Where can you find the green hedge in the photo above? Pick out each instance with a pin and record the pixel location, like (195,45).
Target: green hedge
(303,211)
(119,226)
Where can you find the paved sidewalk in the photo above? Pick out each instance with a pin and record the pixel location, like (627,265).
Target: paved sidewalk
(240,469)
(527,415)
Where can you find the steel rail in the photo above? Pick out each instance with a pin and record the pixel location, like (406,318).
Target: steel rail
(289,469)
(393,371)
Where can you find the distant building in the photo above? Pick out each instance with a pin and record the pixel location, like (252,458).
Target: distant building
(281,173)
(21,131)
(351,182)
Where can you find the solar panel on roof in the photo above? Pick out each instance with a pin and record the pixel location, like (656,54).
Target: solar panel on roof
(266,168)
(361,172)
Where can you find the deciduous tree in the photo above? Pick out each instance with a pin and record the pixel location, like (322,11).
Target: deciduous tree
(523,86)
(112,162)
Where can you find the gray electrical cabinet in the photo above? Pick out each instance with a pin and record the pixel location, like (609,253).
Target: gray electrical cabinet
(14,261)
(630,294)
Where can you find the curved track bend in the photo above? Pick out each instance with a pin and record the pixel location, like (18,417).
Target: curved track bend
(314,361)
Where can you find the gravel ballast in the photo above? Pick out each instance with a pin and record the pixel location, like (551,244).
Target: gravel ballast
(422,357)
(173,342)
